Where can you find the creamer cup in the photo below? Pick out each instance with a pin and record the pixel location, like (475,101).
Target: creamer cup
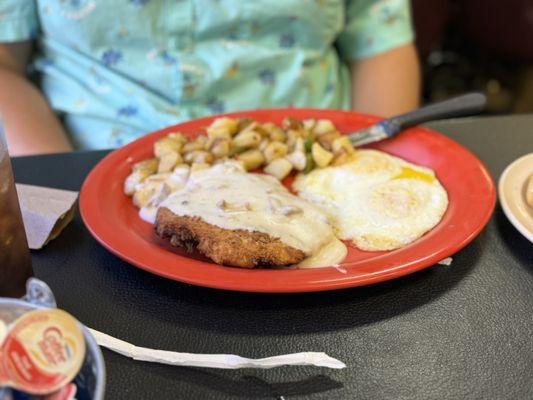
(42,352)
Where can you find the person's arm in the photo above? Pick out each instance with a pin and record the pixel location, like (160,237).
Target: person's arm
(388,83)
(30,125)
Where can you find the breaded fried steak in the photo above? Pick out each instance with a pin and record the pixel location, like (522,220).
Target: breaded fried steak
(239,248)
(245,220)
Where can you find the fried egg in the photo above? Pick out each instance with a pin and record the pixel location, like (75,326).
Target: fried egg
(376,201)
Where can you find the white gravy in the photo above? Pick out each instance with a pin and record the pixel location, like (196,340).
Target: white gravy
(230,198)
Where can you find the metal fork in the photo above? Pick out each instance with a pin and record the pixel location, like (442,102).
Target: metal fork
(468,104)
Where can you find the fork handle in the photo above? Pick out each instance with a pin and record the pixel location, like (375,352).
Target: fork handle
(467,104)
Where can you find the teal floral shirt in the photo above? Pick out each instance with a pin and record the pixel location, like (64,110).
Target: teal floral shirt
(115,69)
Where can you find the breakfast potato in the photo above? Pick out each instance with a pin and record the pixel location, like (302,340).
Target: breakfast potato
(197,144)
(178,178)
(321,156)
(292,136)
(326,139)
(278,135)
(323,126)
(133,179)
(231,125)
(178,137)
(140,171)
(298,159)
(168,161)
(166,145)
(309,124)
(342,144)
(279,168)
(301,145)
(199,166)
(251,159)
(246,139)
(263,144)
(275,150)
(220,132)
(149,165)
(151,191)
(220,147)
(199,156)
(291,123)
(274,133)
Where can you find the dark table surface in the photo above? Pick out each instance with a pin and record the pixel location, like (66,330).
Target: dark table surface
(463,331)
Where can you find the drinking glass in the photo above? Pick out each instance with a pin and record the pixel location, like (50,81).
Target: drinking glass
(15,261)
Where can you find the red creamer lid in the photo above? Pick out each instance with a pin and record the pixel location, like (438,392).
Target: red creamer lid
(42,352)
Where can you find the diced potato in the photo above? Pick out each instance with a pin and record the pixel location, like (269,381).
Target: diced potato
(342,143)
(168,161)
(178,178)
(292,136)
(279,168)
(278,135)
(268,127)
(263,144)
(309,124)
(182,170)
(156,178)
(321,156)
(197,144)
(199,156)
(199,166)
(274,132)
(150,165)
(160,194)
(152,191)
(166,145)
(178,137)
(251,159)
(243,123)
(220,148)
(230,124)
(142,197)
(262,131)
(246,139)
(298,159)
(134,179)
(275,150)
(326,139)
(219,132)
(299,145)
(291,123)
(255,127)
(323,126)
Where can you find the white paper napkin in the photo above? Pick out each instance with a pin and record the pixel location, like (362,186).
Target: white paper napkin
(225,361)
(45,212)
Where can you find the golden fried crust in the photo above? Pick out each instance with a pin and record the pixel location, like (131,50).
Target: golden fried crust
(238,248)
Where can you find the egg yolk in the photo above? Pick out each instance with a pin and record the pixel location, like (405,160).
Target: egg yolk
(409,173)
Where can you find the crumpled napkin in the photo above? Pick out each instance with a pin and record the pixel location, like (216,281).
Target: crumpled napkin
(45,212)
(224,361)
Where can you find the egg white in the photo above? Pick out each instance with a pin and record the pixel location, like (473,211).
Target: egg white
(376,201)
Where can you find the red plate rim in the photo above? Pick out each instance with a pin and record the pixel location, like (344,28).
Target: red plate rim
(109,224)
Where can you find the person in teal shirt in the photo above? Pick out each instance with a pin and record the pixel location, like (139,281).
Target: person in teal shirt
(108,71)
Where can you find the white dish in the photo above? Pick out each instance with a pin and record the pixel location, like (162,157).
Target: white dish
(512,193)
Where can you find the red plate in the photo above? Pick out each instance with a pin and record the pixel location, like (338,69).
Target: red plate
(113,220)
